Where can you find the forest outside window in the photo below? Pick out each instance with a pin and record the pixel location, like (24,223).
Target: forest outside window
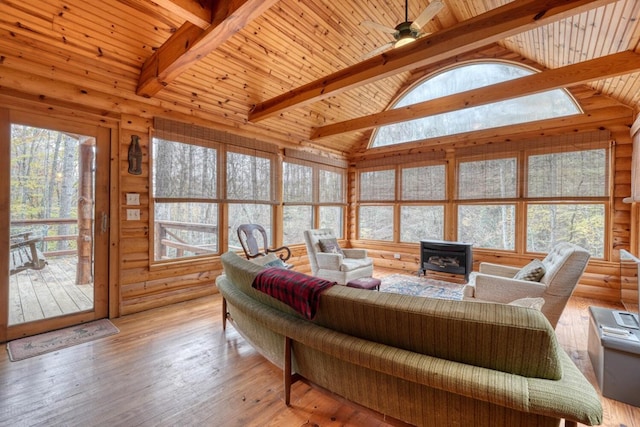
(250,195)
(572,192)
(466,77)
(313,197)
(185,192)
(422,193)
(490,224)
(375,222)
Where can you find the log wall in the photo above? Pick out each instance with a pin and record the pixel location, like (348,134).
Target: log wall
(137,285)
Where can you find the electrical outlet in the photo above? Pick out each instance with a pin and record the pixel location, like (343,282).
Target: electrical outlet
(396,256)
(133,214)
(133,199)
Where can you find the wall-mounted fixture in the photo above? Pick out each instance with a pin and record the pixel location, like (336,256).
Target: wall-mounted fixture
(135,156)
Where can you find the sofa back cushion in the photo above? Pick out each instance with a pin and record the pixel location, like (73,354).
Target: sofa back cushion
(242,273)
(506,338)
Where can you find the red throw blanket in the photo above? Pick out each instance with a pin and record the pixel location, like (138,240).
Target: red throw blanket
(299,291)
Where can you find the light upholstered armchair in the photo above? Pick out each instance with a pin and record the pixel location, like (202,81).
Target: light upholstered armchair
(557,276)
(330,262)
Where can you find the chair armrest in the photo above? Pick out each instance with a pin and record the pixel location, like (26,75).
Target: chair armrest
(283,256)
(27,242)
(501,289)
(329,261)
(498,269)
(355,253)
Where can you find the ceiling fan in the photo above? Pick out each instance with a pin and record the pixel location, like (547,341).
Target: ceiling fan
(405,32)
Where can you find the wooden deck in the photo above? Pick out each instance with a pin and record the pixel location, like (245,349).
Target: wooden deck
(50,292)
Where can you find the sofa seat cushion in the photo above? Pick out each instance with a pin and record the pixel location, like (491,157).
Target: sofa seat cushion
(351,264)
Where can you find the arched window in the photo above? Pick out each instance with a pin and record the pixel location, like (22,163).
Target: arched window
(540,106)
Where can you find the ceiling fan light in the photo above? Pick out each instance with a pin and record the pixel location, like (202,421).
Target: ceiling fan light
(404,41)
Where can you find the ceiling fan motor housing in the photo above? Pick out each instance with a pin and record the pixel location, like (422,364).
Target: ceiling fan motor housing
(404,30)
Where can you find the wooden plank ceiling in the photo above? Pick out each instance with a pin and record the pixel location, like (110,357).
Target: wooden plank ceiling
(291,71)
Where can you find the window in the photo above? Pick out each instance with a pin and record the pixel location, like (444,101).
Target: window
(487,179)
(545,105)
(491,224)
(332,200)
(568,174)
(185,199)
(299,179)
(378,185)
(487,226)
(567,178)
(249,192)
(203,178)
(579,223)
(422,184)
(376,222)
(421,222)
(298,198)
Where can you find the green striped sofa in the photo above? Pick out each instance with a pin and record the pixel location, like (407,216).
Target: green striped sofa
(423,361)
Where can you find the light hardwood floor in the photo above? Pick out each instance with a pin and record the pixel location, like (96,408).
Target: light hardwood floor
(174,366)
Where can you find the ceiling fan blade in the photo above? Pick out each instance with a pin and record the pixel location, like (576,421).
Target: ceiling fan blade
(378,27)
(378,50)
(427,14)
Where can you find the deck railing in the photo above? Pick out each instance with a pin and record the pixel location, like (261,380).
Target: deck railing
(168,237)
(46,228)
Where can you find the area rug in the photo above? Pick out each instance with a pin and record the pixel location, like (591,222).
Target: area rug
(36,345)
(421,286)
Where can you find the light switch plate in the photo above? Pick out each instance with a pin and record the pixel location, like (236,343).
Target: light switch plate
(133,199)
(133,214)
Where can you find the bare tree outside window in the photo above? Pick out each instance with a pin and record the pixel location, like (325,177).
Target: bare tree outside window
(540,106)
(249,193)
(305,187)
(185,192)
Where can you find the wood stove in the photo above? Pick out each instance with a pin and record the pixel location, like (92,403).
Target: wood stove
(446,257)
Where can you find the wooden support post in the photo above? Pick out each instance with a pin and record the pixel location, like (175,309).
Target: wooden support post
(84,271)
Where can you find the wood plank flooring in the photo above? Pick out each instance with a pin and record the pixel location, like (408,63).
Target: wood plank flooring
(50,292)
(175,366)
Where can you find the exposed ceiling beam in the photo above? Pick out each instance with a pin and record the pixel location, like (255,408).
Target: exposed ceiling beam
(190,43)
(197,12)
(570,75)
(489,27)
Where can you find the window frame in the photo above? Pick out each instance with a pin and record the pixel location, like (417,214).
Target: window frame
(223,202)
(153,199)
(315,203)
(521,151)
(398,102)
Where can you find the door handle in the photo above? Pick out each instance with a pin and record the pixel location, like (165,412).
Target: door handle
(105,222)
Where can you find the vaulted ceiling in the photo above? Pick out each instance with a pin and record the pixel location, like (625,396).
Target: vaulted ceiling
(296,71)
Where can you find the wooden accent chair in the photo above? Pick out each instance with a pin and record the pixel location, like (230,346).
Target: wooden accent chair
(336,264)
(24,254)
(249,234)
(563,267)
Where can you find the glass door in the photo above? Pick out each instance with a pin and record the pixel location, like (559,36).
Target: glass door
(58,230)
